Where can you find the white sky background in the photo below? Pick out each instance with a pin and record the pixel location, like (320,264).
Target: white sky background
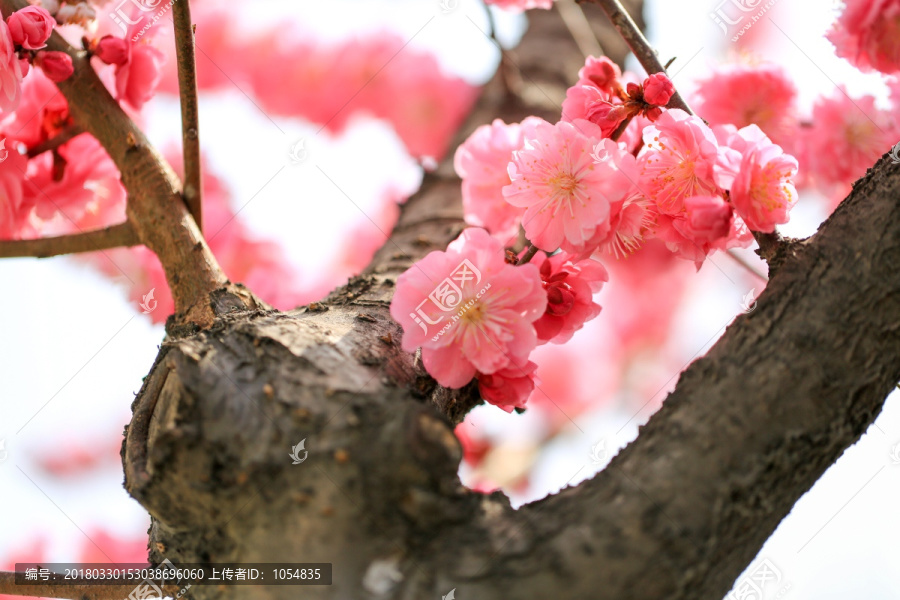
(74,350)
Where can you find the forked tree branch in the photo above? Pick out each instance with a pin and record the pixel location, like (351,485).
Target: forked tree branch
(155,208)
(638,44)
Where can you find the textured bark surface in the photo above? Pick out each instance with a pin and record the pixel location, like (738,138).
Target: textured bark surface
(748,430)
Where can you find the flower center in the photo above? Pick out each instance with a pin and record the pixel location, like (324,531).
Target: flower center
(563,183)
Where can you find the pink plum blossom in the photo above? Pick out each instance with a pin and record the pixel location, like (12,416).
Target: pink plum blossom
(31,27)
(509,387)
(57,66)
(868,34)
(560,185)
(601,73)
(520,5)
(112,50)
(138,76)
(14,211)
(468,309)
(741,95)
(759,176)
(481,161)
(678,159)
(570,285)
(658,89)
(10,71)
(847,136)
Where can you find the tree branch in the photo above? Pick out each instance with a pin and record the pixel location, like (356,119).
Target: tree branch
(190,117)
(155,207)
(56,141)
(87,241)
(638,44)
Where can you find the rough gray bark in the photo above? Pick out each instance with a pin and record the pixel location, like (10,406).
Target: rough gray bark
(678,514)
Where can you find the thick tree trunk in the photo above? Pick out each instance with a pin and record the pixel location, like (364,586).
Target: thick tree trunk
(678,514)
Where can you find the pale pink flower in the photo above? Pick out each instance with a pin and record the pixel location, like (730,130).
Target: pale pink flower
(31,27)
(847,137)
(481,161)
(677,161)
(557,181)
(509,387)
(570,285)
(138,76)
(10,71)
(601,73)
(744,95)
(759,176)
(468,309)
(868,34)
(520,5)
(589,103)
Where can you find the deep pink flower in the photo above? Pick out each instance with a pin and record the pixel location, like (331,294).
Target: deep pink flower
(468,309)
(707,218)
(677,161)
(759,176)
(14,211)
(587,102)
(481,161)
(31,27)
(57,66)
(868,34)
(570,285)
(744,95)
(509,387)
(112,50)
(557,181)
(658,89)
(10,71)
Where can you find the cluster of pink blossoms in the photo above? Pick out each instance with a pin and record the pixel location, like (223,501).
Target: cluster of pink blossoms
(868,34)
(580,196)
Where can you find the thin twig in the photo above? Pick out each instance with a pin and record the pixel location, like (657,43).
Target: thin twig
(56,141)
(638,45)
(741,261)
(190,117)
(88,241)
(621,128)
(526,258)
(579,27)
